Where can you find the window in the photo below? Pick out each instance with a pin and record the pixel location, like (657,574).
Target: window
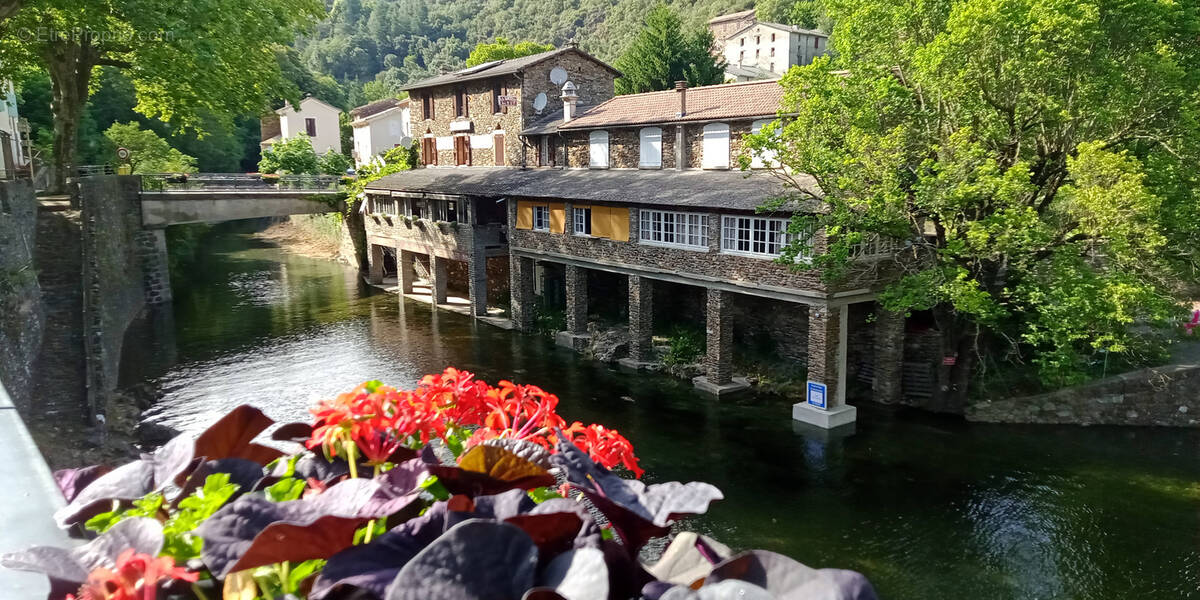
(452,211)
(429,151)
(583,221)
(757,236)
(757,53)
(764,158)
(460,103)
(689,230)
(772,39)
(771,67)
(758,39)
(651,151)
(310,127)
(743,41)
(416,209)
(816,42)
(598,149)
(772,51)
(541,218)
(716,146)
(876,246)
(499,90)
(427,106)
(498,148)
(462,150)
(741,57)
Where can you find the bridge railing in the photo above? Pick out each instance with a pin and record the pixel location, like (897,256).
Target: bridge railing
(160,182)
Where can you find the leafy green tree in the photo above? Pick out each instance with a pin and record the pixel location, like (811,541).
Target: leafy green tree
(1035,160)
(333,163)
(183,58)
(149,153)
(664,53)
(294,155)
(809,14)
(501,49)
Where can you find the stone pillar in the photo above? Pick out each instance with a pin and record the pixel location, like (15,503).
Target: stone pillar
(641,318)
(156,275)
(437,272)
(718,362)
(827,329)
(477,281)
(577,299)
(521,292)
(375,264)
(405,274)
(889,356)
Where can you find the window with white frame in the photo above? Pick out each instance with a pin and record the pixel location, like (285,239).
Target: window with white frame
(651,147)
(687,230)
(762,159)
(716,146)
(541,218)
(583,220)
(598,149)
(875,246)
(758,236)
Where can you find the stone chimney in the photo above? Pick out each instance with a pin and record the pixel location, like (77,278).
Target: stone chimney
(569,98)
(681,87)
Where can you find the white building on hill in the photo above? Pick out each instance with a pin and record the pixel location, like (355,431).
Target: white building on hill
(316,119)
(761,50)
(379,127)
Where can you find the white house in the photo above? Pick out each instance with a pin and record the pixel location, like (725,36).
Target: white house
(12,153)
(379,127)
(316,119)
(763,50)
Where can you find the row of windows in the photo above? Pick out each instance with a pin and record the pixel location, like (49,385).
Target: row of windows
(462,103)
(714,147)
(758,40)
(688,230)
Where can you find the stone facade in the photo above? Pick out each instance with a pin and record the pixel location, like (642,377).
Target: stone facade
(887,385)
(521,275)
(771,326)
(826,339)
(718,359)
(577,299)
(22,314)
(624,145)
(641,318)
(1163,396)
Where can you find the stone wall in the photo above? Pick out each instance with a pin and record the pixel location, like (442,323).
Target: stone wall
(1165,396)
(22,314)
(119,260)
(765,326)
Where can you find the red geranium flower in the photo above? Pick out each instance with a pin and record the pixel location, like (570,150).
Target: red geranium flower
(136,577)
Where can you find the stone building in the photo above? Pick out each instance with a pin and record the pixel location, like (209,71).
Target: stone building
(641,193)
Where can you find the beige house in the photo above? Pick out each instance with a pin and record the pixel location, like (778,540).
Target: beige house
(763,50)
(379,127)
(313,118)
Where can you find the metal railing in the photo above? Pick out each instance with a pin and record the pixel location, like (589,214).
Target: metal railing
(161,182)
(90,170)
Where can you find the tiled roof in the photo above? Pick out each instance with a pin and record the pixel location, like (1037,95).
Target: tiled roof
(500,67)
(781,27)
(706,103)
(733,190)
(732,16)
(376,107)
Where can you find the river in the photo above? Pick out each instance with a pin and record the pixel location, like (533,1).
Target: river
(926,507)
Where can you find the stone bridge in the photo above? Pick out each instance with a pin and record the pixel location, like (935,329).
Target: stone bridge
(212,198)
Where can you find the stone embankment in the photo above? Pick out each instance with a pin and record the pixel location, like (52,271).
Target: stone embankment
(1162,396)
(22,314)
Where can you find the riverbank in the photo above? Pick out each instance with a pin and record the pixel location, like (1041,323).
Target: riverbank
(305,238)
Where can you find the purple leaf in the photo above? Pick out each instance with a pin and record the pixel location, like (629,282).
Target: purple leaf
(689,557)
(127,482)
(578,575)
(787,579)
(475,560)
(72,481)
(72,565)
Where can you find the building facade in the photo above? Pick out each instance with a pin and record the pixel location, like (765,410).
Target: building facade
(641,194)
(380,126)
(763,50)
(317,120)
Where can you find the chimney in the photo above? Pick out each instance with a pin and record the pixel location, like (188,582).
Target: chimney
(681,87)
(569,98)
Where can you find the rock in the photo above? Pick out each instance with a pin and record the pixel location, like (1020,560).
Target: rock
(155,434)
(609,345)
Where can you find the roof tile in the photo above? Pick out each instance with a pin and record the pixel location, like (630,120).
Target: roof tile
(706,103)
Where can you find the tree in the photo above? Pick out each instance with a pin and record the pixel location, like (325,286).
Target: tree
(294,155)
(664,53)
(149,153)
(1035,160)
(500,49)
(333,163)
(809,14)
(183,57)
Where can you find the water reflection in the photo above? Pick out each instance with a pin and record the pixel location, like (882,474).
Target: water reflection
(928,508)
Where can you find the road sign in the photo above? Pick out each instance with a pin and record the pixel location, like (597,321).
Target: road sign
(817,395)
(123,153)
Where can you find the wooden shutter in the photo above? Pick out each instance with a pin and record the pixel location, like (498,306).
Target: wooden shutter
(524,214)
(600,222)
(558,218)
(618,219)
(498,148)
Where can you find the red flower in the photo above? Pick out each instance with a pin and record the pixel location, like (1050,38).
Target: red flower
(136,577)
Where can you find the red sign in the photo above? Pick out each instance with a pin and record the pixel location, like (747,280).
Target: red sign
(509,101)
(950,361)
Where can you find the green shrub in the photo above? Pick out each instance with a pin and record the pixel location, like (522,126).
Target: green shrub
(687,344)
(548,320)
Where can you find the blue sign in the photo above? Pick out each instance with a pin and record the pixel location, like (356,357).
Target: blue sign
(817,395)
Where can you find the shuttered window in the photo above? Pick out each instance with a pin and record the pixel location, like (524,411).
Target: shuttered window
(429,151)
(598,149)
(651,147)
(498,148)
(462,150)
(716,146)
(763,158)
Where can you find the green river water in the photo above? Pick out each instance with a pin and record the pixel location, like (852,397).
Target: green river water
(926,507)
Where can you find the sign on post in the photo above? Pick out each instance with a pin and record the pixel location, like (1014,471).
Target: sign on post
(817,395)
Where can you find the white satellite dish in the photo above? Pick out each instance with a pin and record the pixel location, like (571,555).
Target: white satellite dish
(539,102)
(558,75)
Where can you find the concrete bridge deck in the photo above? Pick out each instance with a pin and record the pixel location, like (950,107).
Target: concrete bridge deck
(176,207)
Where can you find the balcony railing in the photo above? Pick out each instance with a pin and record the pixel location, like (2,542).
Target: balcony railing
(160,182)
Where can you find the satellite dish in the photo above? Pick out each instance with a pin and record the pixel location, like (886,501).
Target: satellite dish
(539,102)
(558,75)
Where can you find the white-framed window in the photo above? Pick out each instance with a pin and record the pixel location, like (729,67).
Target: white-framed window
(757,236)
(651,147)
(764,158)
(716,146)
(598,149)
(582,218)
(541,218)
(875,246)
(667,228)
